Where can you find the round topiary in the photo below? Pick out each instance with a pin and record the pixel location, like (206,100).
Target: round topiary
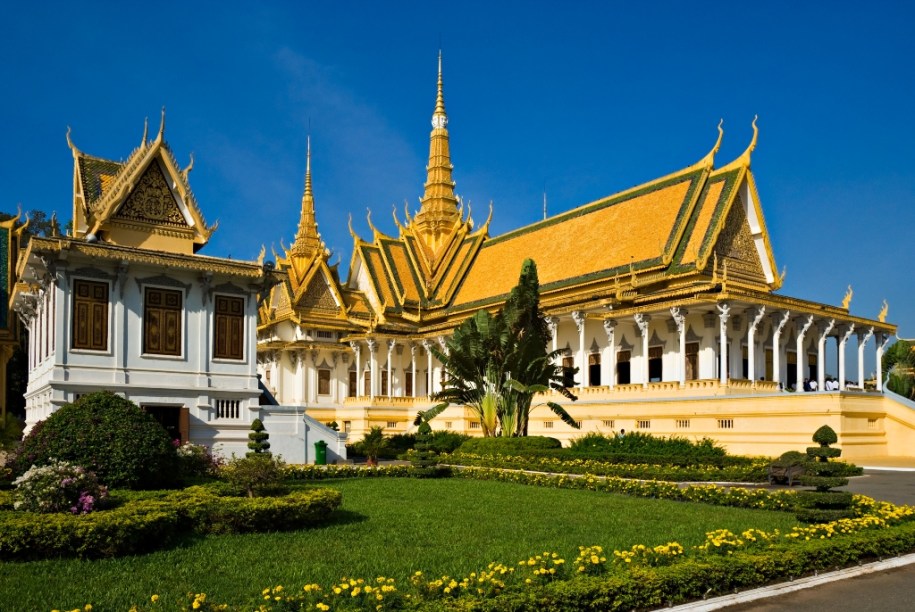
(825,435)
(112,436)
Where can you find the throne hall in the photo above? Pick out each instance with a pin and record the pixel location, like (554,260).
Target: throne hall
(664,296)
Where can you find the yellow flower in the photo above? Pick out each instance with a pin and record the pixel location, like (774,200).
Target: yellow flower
(154,598)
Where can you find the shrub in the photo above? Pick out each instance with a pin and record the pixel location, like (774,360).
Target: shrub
(257,439)
(638,443)
(822,505)
(58,487)
(508,446)
(107,434)
(196,460)
(255,475)
(446,441)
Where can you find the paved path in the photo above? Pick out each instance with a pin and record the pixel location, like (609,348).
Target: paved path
(877,591)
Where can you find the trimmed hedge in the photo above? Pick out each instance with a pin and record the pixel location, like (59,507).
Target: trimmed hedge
(508,446)
(145,524)
(754,471)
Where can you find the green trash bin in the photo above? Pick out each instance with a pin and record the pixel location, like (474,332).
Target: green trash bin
(320,452)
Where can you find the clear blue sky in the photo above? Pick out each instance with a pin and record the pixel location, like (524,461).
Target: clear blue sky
(582,101)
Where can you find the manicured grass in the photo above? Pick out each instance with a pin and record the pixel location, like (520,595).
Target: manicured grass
(389,527)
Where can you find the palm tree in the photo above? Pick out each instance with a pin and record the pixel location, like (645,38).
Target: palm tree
(495,364)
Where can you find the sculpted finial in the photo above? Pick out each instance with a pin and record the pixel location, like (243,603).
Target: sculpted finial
(70,143)
(161,127)
(846,301)
(368,217)
(781,277)
(262,255)
(709,159)
(190,166)
(349,224)
(145,138)
(883,312)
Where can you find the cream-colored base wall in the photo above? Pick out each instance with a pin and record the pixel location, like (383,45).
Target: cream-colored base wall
(763,424)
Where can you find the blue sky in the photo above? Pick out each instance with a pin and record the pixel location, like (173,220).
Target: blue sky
(581,101)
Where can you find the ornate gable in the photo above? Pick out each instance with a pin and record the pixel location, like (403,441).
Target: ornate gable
(736,248)
(152,201)
(318,296)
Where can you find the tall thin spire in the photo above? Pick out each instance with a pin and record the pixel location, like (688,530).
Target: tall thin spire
(438,213)
(307,239)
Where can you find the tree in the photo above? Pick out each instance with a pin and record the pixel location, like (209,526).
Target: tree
(496,364)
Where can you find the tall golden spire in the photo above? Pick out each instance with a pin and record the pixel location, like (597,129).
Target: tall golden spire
(307,240)
(438,213)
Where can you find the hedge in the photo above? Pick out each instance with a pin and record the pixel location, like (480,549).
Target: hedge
(142,525)
(755,471)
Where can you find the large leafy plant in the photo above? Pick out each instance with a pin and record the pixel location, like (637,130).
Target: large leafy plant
(495,364)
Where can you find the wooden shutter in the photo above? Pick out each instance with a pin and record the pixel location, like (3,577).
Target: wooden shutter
(90,315)
(230,328)
(162,322)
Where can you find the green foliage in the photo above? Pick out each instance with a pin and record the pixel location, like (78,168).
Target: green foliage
(257,439)
(58,487)
(107,434)
(790,459)
(508,446)
(374,444)
(825,435)
(496,364)
(652,468)
(254,475)
(10,431)
(197,461)
(145,524)
(642,444)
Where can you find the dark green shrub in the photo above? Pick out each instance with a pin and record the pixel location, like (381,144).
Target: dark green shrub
(257,439)
(637,443)
(255,475)
(825,435)
(107,434)
(790,459)
(508,446)
(446,441)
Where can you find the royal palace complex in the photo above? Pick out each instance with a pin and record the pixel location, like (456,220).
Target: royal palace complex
(663,296)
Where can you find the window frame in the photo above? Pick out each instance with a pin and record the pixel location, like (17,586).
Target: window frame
(240,319)
(182,326)
(73,316)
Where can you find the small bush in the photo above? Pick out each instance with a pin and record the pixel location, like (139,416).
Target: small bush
(790,459)
(509,446)
(255,475)
(196,461)
(638,443)
(106,434)
(58,487)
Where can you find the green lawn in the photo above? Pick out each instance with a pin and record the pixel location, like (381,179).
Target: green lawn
(389,527)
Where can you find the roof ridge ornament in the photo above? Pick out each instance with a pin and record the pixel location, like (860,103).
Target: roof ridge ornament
(145,140)
(70,144)
(161,134)
(744,160)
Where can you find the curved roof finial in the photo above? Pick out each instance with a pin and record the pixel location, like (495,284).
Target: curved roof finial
(368,217)
(190,166)
(406,211)
(709,159)
(396,220)
(745,158)
(349,224)
(145,138)
(161,126)
(70,142)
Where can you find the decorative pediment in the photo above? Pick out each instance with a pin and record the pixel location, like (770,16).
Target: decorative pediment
(736,248)
(152,201)
(318,295)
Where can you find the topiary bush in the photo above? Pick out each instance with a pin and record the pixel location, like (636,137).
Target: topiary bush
(255,475)
(257,439)
(108,435)
(822,504)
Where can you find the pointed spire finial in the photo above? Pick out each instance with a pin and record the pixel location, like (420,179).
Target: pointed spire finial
(439,118)
(307,239)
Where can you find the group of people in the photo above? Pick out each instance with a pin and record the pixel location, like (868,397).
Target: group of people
(830,384)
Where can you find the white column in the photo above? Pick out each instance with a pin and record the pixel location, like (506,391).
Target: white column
(429,387)
(373,364)
(845,332)
(579,318)
(882,338)
(413,368)
(679,316)
(724,313)
(754,316)
(824,329)
(391,344)
(610,360)
(863,337)
(357,349)
(779,319)
(802,324)
(642,321)
(553,323)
